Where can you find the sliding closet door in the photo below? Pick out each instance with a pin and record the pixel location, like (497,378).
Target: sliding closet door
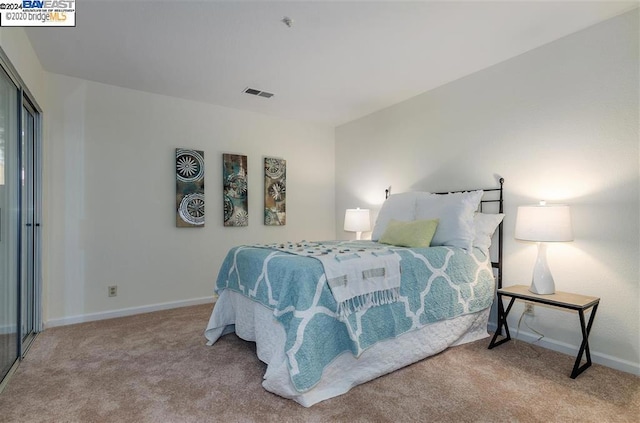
(20,181)
(9,224)
(30,227)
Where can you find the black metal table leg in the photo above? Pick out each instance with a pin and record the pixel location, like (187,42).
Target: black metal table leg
(502,323)
(584,347)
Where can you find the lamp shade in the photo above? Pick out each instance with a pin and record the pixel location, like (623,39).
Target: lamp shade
(544,223)
(357,220)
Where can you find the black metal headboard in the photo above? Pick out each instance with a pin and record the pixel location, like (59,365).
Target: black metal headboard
(491,196)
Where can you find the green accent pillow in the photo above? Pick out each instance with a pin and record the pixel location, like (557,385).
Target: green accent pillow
(417,233)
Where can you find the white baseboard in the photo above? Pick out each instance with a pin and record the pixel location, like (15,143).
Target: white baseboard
(90,317)
(572,350)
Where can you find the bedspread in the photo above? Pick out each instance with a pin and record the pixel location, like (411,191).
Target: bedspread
(437,283)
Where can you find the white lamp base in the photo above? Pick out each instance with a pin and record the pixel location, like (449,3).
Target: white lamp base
(358,235)
(542,281)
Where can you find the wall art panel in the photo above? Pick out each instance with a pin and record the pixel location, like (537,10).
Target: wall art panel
(234,176)
(275,191)
(189,188)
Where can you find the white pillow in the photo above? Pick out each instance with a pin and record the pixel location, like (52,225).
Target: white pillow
(485,225)
(455,213)
(398,207)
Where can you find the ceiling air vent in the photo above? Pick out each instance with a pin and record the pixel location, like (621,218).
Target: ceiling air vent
(259,93)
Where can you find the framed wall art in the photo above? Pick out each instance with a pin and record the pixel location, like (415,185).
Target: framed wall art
(189,188)
(234,176)
(275,191)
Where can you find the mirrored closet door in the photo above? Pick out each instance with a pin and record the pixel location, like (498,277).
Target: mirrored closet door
(9,223)
(20,229)
(30,227)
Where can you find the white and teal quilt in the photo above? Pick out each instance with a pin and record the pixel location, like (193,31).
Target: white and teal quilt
(437,283)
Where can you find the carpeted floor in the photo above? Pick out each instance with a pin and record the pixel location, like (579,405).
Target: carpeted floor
(156,368)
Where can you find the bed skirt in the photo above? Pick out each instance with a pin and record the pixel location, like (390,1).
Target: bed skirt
(254,322)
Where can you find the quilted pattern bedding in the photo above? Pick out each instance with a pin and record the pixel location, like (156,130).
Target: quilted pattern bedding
(437,283)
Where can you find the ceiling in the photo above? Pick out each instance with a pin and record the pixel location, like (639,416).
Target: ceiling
(337,62)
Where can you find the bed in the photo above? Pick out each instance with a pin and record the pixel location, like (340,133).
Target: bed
(430,274)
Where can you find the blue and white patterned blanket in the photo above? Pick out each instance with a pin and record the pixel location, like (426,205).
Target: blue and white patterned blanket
(359,278)
(437,283)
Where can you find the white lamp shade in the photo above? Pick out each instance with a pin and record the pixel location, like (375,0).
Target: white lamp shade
(357,220)
(544,223)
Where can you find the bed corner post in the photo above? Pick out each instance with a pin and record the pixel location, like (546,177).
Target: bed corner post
(500,236)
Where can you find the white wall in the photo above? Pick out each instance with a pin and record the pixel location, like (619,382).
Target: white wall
(558,123)
(112,179)
(109,190)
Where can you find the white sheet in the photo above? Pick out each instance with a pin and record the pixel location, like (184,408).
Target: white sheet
(255,322)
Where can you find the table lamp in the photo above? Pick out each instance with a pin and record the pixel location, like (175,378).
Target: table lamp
(543,223)
(357,220)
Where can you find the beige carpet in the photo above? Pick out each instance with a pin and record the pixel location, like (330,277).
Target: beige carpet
(156,368)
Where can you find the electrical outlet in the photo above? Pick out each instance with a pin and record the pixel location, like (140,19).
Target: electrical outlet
(528,309)
(113,291)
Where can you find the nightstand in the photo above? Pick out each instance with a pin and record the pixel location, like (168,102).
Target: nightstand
(576,302)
